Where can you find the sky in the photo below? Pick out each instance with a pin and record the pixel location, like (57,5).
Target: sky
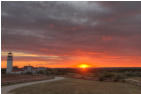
(66,34)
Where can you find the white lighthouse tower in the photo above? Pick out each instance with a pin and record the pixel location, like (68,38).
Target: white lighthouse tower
(9,63)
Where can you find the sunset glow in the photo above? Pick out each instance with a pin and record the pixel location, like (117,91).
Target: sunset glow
(71,34)
(84,66)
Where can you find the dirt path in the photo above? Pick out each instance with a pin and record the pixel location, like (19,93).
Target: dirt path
(6,89)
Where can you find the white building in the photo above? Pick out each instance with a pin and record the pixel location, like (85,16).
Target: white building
(11,70)
(28,69)
(9,63)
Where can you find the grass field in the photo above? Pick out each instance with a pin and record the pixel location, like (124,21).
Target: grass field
(76,86)
(136,78)
(9,79)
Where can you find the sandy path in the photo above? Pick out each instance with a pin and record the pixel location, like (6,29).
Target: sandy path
(6,89)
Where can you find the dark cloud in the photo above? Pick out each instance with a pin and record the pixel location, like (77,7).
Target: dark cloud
(64,28)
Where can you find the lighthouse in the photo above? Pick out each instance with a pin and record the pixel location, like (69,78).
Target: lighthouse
(9,63)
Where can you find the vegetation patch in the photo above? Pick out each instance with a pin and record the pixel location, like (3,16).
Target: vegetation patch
(77,86)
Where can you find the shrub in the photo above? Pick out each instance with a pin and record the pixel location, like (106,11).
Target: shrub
(41,72)
(28,73)
(101,79)
(111,76)
(118,77)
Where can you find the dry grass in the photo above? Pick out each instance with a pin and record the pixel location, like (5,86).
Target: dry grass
(76,86)
(9,79)
(136,78)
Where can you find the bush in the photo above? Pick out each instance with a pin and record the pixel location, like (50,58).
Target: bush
(101,79)
(3,71)
(28,73)
(111,76)
(41,72)
(118,77)
(133,74)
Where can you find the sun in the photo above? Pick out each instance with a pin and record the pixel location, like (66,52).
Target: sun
(84,66)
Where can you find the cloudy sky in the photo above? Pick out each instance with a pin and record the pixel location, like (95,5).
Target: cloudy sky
(65,34)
